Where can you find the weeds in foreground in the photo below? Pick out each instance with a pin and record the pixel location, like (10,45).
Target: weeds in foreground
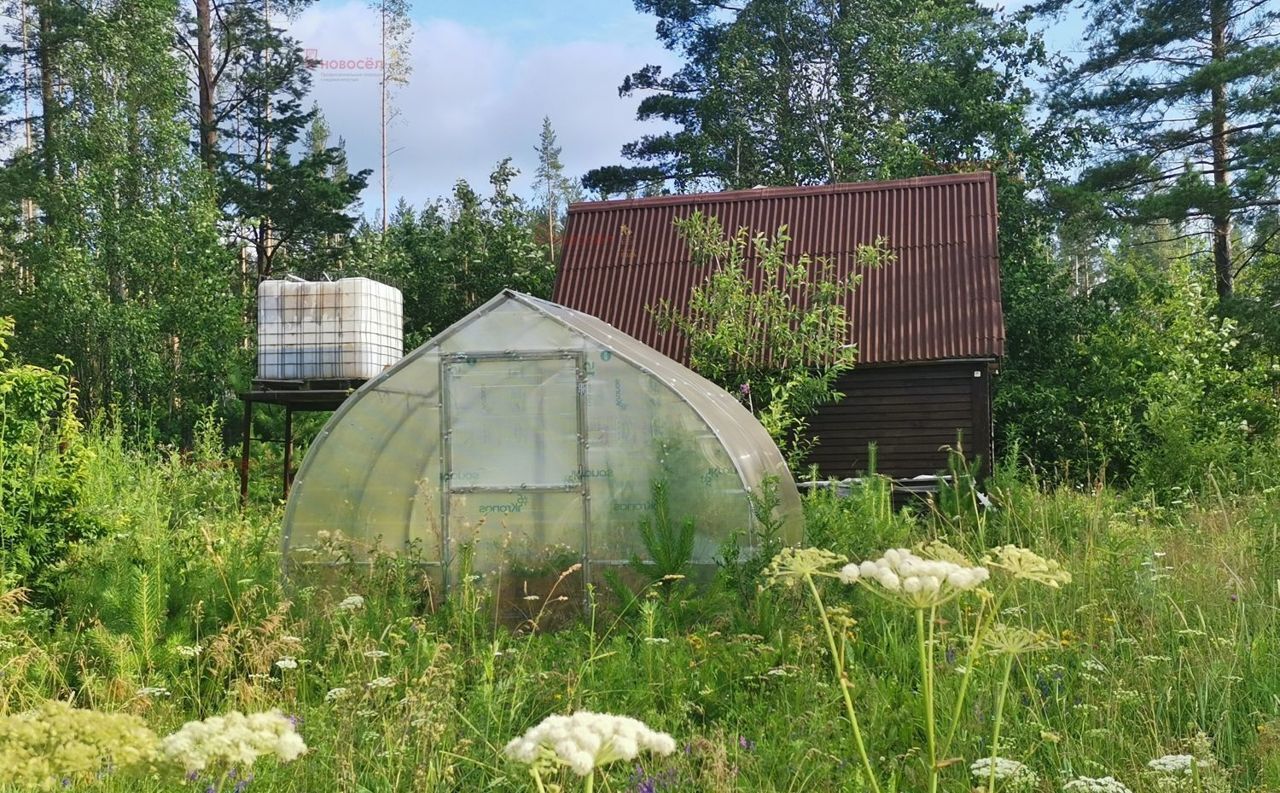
(1162,647)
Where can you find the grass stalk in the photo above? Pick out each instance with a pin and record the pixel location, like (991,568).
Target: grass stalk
(995,731)
(837,661)
(926,683)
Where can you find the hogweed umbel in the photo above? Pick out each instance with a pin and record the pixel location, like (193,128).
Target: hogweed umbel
(584,742)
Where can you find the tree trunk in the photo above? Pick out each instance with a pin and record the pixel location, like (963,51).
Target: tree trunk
(48,99)
(204,78)
(551,221)
(1222,210)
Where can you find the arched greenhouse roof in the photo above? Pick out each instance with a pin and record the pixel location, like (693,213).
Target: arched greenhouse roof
(530,434)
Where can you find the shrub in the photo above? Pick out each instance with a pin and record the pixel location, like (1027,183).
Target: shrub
(43,462)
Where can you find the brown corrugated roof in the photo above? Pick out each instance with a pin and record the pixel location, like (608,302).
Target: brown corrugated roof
(938,300)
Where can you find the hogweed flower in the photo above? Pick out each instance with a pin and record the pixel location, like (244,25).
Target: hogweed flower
(1011,773)
(586,741)
(287,662)
(233,740)
(351,603)
(56,745)
(1005,639)
(1174,764)
(1027,565)
(920,583)
(1088,784)
(796,564)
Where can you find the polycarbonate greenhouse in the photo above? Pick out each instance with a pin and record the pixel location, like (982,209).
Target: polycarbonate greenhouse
(533,435)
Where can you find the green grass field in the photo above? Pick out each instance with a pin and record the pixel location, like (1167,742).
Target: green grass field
(1165,642)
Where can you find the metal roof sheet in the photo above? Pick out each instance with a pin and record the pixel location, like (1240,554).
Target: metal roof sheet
(938,300)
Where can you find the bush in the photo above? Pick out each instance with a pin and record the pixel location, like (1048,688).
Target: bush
(43,462)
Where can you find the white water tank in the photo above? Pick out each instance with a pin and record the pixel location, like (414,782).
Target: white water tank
(349,329)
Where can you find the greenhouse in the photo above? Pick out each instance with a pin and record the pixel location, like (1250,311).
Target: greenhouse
(528,436)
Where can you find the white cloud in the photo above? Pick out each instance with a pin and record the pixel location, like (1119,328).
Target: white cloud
(472,99)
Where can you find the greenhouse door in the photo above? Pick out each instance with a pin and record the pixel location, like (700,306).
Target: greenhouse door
(512,451)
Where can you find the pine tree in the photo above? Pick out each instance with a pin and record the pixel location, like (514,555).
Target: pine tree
(274,199)
(550,174)
(396,32)
(1186,96)
(779,92)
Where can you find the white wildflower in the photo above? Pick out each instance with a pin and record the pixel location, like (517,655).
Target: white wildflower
(1174,764)
(1088,784)
(1005,639)
(1028,565)
(234,740)
(335,694)
(1013,774)
(382,682)
(351,603)
(656,640)
(795,564)
(376,654)
(287,663)
(190,651)
(904,576)
(586,741)
(153,691)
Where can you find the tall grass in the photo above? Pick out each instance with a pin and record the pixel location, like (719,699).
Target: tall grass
(1166,641)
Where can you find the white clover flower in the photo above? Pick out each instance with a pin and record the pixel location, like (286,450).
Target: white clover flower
(1013,774)
(287,663)
(351,603)
(234,740)
(586,741)
(188,651)
(382,682)
(920,583)
(1088,784)
(1173,764)
(335,694)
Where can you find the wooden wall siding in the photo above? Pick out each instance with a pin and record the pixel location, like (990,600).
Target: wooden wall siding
(910,413)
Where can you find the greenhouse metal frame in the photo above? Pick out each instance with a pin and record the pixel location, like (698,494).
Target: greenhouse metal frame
(550,424)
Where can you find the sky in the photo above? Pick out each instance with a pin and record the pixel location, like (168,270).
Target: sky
(484,74)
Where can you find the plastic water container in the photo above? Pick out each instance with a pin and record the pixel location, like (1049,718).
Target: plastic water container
(350,329)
